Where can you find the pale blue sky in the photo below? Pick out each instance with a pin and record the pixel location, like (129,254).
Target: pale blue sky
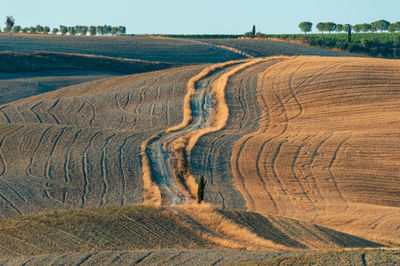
(200,16)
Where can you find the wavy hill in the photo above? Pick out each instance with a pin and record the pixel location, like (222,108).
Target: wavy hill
(299,153)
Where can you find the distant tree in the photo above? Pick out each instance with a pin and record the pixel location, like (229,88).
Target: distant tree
(397,24)
(391,28)
(39,28)
(55,31)
(200,190)
(78,29)
(365,27)
(63,29)
(92,30)
(108,29)
(357,28)
(17,29)
(84,30)
(26,30)
(100,30)
(347,28)
(339,28)
(114,30)
(373,27)
(122,30)
(33,29)
(10,21)
(72,30)
(46,29)
(321,27)
(305,26)
(253,31)
(382,24)
(329,26)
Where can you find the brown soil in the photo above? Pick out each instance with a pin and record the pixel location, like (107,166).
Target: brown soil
(325,147)
(78,146)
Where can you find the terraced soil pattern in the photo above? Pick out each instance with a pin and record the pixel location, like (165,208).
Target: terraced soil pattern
(326,145)
(79,146)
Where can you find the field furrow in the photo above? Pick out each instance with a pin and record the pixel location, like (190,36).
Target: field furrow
(320,148)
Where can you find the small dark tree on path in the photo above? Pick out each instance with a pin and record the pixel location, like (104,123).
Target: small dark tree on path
(200,190)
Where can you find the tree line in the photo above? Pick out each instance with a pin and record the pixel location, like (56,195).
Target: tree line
(64,30)
(379,25)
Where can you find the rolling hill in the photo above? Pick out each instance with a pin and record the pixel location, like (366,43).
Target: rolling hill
(300,153)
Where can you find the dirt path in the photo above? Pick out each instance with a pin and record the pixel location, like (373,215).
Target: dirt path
(158,150)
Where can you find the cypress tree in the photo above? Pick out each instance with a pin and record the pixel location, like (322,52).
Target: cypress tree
(200,190)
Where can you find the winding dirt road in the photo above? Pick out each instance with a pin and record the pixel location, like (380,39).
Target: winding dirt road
(158,150)
(205,112)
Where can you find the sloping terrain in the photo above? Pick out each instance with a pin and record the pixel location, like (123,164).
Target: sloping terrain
(311,139)
(15,86)
(347,257)
(143,48)
(26,74)
(326,146)
(263,48)
(139,227)
(79,146)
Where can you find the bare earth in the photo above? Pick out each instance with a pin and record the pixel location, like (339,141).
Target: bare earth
(300,153)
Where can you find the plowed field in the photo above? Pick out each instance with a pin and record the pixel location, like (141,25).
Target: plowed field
(299,153)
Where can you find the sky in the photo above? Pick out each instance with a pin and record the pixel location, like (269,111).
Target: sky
(197,16)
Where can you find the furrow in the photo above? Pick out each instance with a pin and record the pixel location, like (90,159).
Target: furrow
(85,176)
(32,159)
(52,107)
(36,114)
(104,171)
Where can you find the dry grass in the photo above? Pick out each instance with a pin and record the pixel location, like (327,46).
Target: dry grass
(233,236)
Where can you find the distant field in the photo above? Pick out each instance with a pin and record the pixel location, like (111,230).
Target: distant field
(157,49)
(22,85)
(144,48)
(262,48)
(386,45)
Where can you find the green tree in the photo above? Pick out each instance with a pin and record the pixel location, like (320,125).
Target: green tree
(100,30)
(253,31)
(84,30)
(329,26)
(63,29)
(92,30)
(357,28)
(114,30)
(122,30)
(17,29)
(382,24)
(33,29)
(347,28)
(305,26)
(339,28)
(321,27)
(26,30)
(392,28)
(55,31)
(39,28)
(200,190)
(72,30)
(373,27)
(397,24)
(10,21)
(46,29)
(365,27)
